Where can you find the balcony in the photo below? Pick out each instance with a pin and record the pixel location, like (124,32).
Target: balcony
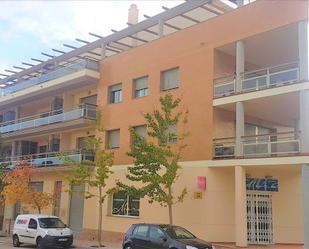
(56,73)
(258,80)
(50,80)
(58,119)
(268,145)
(46,159)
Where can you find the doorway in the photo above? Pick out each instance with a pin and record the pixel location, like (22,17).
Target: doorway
(259,219)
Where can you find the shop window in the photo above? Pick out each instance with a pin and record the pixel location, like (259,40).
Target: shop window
(125,205)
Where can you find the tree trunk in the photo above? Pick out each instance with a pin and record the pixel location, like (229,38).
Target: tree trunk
(39,209)
(100,217)
(170,214)
(170,205)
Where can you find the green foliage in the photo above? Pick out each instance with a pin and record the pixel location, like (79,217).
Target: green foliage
(156,159)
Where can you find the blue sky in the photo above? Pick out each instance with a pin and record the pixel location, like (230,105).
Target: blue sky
(31,27)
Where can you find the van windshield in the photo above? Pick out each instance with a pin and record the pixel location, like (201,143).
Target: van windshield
(51,223)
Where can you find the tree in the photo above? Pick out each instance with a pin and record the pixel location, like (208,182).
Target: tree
(94,173)
(17,188)
(156,160)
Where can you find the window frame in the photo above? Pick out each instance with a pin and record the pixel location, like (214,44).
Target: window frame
(134,127)
(134,91)
(162,79)
(36,228)
(127,207)
(111,93)
(107,140)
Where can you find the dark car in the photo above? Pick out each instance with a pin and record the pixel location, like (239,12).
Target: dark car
(153,236)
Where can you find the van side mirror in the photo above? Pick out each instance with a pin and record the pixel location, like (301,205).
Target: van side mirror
(164,238)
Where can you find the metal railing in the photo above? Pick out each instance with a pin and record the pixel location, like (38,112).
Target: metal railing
(258,79)
(62,115)
(50,74)
(276,144)
(47,159)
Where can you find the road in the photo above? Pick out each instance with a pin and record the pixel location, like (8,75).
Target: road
(5,243)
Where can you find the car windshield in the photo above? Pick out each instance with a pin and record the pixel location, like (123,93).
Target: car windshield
(51,223)
(178,232)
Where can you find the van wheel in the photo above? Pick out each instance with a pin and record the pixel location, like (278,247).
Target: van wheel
(39,243)
(16,242)
(127,246)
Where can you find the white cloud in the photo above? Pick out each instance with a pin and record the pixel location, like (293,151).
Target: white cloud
(56,21)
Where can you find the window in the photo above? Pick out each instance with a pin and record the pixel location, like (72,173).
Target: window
(140,130)
(156,233)
(37,186)
(113,139)
(115,94)
(170,79)
(141,230)
(33,224)
(125,205)
(172,134)
(140,87)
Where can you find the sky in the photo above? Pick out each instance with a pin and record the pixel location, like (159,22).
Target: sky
(28,28)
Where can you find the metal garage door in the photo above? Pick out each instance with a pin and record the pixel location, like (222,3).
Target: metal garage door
(77,208)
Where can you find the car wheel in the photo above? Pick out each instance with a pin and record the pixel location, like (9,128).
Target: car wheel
(16,242)
(128,246)
(39,243)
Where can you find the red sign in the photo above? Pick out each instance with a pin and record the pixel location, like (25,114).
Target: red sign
(201,182)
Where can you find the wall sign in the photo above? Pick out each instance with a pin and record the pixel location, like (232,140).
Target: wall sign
(262,184)
(201,182)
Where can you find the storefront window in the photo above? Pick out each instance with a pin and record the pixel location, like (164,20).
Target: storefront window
(125,205)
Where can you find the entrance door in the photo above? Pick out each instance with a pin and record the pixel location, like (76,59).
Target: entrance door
(77,208)
(259,218)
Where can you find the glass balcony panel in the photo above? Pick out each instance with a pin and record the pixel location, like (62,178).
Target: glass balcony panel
(283,77)
(74,114)
(224,89)
(254,84)
(41,121)
(285,147)
(59,116)
(51,74)
(56,118)
(223,151)
(255,149)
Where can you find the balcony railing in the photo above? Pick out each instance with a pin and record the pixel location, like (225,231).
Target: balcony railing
(47,159)
(285,143)
(258,79)
(82,111)
(50,74)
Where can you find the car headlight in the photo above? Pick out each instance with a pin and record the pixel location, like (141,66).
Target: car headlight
(190,247)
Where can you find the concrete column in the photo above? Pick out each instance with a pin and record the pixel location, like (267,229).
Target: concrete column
(9,212)
(240,207)
(240,64)
(103,50)
(304,128)
(240,128)
(303,49)
(161,28)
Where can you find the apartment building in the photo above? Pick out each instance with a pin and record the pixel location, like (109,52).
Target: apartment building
(241,71)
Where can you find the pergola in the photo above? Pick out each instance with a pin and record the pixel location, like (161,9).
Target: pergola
(187,14)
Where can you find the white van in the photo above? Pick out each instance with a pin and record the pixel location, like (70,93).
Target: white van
(42,231)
